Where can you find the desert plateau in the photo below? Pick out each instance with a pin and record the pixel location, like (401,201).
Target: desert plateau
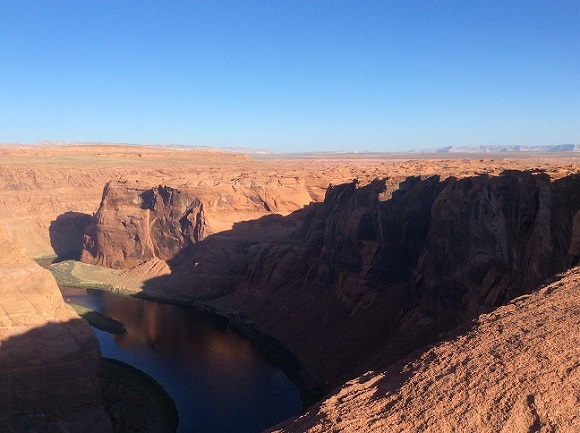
(428,292)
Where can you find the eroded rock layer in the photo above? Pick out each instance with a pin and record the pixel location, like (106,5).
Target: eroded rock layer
(514,370)
(137,221)
(355,283)
(48,355)
(47,192)
(133,225)
(391,265)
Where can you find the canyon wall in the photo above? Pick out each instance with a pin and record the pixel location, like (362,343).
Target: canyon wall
(351,284)
(386,266)
(48,194)
(45,209)
(514,370)
(48,355)
(391,265)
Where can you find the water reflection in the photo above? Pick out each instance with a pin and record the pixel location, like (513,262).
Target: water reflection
(218,380)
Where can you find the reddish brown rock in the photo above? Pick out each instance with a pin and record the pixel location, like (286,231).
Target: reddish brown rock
(137,221)
(48,355)
(40,183)
(351,284)
(514,370)
(134,224)
(391,265)
(43,187)
(492,239)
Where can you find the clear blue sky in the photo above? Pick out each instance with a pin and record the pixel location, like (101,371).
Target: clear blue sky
(291,75)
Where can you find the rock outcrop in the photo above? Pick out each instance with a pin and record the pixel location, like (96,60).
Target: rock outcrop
(48,190)
(514,370)
(137,221)
(391,268)
(133,225)
(48,355)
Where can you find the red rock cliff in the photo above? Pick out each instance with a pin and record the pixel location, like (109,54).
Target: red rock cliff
(388,266)
(133,225)
(48,355)
(140,220)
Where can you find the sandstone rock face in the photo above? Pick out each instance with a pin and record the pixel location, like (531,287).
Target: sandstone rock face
(377,270)
(137,221)
(495,238)
(48,356)
(392,264)
(133,225)
(48,192)
(515,370)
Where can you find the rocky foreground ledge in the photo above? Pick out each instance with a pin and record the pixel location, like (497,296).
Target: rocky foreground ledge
(48,356)
(516,369)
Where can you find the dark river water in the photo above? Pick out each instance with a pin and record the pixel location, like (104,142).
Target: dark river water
(218,380)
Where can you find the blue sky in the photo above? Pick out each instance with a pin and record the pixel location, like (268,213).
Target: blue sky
(291,75)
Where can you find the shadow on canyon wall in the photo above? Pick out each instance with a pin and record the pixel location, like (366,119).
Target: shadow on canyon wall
(375,272)
(48,381)
(206,272)
(67,234)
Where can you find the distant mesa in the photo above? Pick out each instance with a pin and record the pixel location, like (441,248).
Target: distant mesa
(500,149)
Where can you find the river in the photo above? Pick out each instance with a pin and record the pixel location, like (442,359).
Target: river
(218,379)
